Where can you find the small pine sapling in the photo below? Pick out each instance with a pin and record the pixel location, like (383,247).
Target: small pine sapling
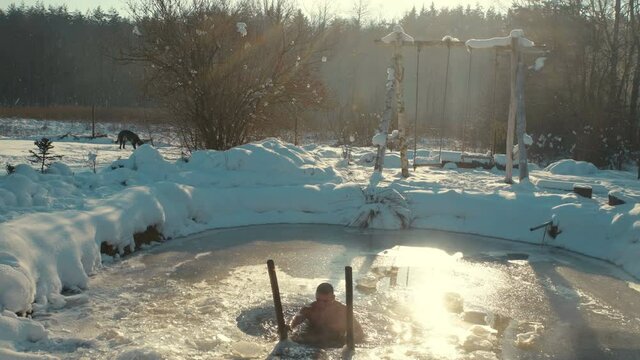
(43,156)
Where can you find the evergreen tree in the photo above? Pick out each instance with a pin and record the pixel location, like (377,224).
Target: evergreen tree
(44,155)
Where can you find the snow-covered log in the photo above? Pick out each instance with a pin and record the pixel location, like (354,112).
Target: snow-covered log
(500,41)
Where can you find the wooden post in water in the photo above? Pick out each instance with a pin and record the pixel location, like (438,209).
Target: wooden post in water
(349,284)
(393,276)
(282,329)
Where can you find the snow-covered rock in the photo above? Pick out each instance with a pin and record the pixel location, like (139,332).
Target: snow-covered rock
(20,329)
(572,167)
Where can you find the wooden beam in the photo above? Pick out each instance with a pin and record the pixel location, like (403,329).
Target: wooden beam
(535,50)
(422,43)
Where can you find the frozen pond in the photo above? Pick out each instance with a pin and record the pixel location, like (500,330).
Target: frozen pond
(208,297)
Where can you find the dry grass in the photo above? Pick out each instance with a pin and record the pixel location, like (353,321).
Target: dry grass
(83,113)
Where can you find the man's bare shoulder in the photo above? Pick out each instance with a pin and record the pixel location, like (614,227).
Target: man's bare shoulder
(305,310)
(340,305)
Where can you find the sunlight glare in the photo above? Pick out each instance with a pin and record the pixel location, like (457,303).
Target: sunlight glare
(431,273)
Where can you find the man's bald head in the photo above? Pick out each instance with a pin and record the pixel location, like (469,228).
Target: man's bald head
(324,289)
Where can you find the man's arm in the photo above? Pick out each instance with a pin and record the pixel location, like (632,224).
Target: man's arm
(298,319)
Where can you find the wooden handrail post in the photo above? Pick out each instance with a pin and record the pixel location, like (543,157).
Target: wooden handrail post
(349,284)
(282,329)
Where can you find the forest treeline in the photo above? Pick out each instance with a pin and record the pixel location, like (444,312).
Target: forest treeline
(323,72)
(51,56)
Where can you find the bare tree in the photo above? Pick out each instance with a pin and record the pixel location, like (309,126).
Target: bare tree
(277,10)
(615,50)
(223,70)
(360,12)
(634,119)
(323,14)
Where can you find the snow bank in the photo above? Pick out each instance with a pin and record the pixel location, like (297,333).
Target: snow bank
(16,294)
(282,164)
(572,167)
(15,330)
(21,329)
(589,227)
(510,217)
(41,254)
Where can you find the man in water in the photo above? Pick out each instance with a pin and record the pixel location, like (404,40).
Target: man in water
(326,321)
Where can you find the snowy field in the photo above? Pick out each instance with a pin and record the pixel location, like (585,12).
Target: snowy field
(53,224)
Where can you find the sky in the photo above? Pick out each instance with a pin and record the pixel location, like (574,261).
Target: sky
(377,8)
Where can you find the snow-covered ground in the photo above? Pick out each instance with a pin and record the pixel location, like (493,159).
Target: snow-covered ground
(54,224)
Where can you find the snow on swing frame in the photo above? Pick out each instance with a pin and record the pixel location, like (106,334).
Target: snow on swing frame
(399,38)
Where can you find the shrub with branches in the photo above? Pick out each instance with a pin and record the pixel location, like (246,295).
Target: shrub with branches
(223,70)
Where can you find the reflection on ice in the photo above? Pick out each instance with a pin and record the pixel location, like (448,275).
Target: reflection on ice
(433,301)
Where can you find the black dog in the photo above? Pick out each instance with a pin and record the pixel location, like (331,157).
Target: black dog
(130,136)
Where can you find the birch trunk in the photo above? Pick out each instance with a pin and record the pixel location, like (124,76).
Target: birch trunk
(512,111)
(522,122)
(402,119)
(386,118)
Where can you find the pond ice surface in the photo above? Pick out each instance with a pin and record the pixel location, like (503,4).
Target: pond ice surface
(208,297)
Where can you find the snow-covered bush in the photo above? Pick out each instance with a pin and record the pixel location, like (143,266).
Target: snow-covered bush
(606,147)
(549,147)
(385,208)
(91,160)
